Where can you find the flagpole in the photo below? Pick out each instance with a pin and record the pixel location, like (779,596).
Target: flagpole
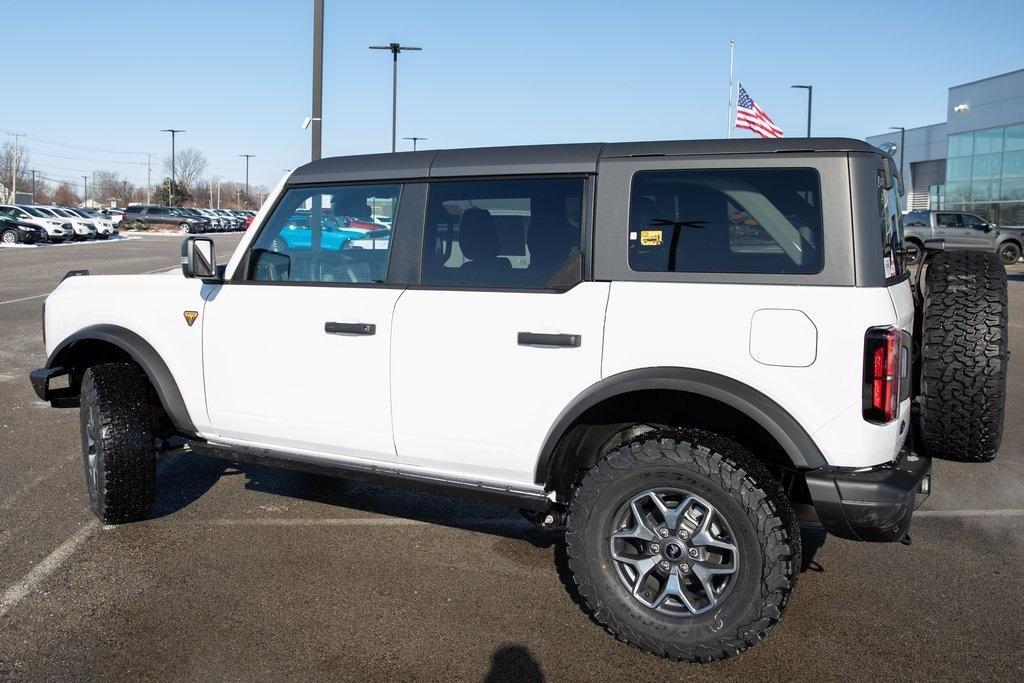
(728,112)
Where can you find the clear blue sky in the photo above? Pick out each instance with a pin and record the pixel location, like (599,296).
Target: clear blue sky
(236,74)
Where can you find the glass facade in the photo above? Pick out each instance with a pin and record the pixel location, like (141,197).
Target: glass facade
(985,175)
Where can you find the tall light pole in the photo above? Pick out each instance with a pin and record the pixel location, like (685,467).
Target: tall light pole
(85,189)
(170,193)
(414,139)
(318,77)
(247,157)
(903,138)
(810,95)
(395,48)
(33,186)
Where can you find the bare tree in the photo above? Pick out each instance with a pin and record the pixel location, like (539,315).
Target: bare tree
(7,162)
(189,166)
(65,195)
(110,186)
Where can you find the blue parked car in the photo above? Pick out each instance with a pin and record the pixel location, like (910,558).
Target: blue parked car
(296,233)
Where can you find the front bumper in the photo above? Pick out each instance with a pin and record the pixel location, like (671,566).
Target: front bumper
(872,504)
(59,397)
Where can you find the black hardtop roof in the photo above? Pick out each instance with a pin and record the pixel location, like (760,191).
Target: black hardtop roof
(568,158)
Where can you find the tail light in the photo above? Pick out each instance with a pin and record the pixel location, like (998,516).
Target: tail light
(882,369)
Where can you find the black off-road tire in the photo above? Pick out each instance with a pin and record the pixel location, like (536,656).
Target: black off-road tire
(964,354)
(748,497)
(118,454)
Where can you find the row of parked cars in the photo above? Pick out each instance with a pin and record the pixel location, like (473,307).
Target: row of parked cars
(32,223)
(29,223)
(188,220)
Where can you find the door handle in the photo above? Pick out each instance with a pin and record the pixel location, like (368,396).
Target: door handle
(350,328)
(537,339)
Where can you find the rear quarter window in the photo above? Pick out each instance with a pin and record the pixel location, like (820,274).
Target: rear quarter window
(726,221)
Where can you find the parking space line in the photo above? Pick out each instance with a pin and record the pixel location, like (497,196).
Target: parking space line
(1009,512)
(27,298)
(145,272)
(17,592)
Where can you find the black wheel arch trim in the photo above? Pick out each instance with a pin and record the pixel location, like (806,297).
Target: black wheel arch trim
(791,436)
(147,358)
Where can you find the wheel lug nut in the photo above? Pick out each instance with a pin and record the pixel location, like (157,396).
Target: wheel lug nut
(655,548)
(693,552)
(684,534)
(663,532)
(684,568)
(664,565)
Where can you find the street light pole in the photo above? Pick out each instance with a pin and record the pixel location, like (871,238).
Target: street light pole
(85,189)
(810,95)
(247,157)
(318,77)
(414,139)
(33,186)
(170,193)
(395,48)
(903,138)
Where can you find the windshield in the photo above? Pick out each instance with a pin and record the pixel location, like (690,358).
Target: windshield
(37,212)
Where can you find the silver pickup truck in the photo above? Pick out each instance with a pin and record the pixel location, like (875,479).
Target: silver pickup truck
(958,230)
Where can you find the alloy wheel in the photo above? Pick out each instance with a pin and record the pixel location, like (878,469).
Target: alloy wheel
(674,551)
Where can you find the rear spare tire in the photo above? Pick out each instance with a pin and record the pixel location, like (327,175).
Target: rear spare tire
(964,353)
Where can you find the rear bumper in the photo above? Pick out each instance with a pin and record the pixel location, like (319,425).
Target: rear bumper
(873,504)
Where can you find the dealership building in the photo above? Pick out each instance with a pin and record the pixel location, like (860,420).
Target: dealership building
(974,161)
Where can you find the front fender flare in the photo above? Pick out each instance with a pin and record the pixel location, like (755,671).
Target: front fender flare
(792,437)
(140,351)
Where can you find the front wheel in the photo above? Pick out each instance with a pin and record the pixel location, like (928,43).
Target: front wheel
(686,549)
(9,237)
(117,443)
(1009,252)
(186,228)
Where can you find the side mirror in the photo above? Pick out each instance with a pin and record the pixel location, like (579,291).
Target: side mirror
(198,258)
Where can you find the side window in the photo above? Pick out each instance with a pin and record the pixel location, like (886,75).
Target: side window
(327,234)
(972,221)
(521,233)
(947,220)
(726,221)
(917,219)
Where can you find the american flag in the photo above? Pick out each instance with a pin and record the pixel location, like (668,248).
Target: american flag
(752,117)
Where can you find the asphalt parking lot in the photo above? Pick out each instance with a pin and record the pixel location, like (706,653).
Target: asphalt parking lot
(247,572)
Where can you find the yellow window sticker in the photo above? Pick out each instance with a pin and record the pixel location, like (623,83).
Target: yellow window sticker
(650,238)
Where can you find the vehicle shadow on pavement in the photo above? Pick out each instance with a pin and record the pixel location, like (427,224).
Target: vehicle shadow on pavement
(183,478)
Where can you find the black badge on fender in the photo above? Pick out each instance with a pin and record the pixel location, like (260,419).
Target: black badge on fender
(190,317)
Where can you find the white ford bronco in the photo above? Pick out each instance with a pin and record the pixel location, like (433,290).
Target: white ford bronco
(679,351)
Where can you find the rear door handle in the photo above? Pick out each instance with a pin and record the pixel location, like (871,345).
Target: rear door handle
(537,339)
(350,328)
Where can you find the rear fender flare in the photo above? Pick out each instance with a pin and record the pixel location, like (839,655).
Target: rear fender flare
(783,427)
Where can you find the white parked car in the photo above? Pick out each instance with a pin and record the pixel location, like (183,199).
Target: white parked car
(82,228)
(113,215)
(57,229)
(104,226)
(677,351)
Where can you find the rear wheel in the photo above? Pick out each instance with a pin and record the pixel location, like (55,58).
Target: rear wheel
(964,355)
(911,252)
(686,551)
(117,443)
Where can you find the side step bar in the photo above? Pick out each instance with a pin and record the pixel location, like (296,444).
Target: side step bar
(391,476)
